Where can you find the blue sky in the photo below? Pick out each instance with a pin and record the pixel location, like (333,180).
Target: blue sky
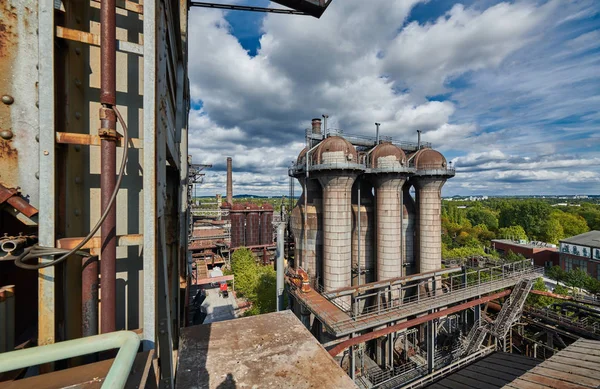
(509,91)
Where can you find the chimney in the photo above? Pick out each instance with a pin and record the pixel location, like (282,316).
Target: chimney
(325,117)
(316,126)
(377,133)
(229,182)
(418,139)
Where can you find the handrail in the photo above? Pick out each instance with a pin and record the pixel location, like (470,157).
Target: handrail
(126,341)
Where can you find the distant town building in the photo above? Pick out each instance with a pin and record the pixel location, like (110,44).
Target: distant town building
(581,252)
(543,254)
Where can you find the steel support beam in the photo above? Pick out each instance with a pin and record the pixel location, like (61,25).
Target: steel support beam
(411,323)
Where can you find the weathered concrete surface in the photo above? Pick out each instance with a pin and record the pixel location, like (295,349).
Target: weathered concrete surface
(366,233)
(408,230)
(388,190)
(429,223)
(337,226)
(265,351)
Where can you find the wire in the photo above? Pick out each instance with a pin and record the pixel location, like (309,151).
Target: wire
(36,251)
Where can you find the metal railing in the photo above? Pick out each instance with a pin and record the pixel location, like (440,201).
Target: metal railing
(386,311)
(126,341)
(556,317)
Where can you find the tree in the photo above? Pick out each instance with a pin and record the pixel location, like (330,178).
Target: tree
(529,214)
(553,231)
(559,289)
(255,282)
(512,232)
(576,278)
(479,215)
(514,257)
(571,224)
(556,273)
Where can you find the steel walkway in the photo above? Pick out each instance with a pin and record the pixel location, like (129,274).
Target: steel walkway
(341,323)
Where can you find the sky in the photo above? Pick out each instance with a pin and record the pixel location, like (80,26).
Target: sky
(507,91)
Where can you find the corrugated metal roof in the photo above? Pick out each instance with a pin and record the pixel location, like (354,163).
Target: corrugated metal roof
(591,238)
(493,372)
(576,367)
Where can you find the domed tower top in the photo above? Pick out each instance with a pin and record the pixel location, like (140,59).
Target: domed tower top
(335,150)
(429,161)
(387,156)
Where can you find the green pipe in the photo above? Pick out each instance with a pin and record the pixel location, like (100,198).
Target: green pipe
(126,341)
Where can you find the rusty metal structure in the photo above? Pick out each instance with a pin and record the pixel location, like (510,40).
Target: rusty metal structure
(368,255)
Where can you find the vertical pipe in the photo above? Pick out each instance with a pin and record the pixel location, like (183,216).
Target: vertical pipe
(359,233)
(229,181)
(325,117)
(377,133)
(108,161)
(279,279)
(89,296)
(418,139)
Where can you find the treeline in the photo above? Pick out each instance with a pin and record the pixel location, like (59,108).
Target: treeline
(469,226)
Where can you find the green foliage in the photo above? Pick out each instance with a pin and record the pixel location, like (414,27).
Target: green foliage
(479,215)
(539,301)
(576,278)
(571,224)
(553,231)
(529,214)
(255,282)
(556,273)
(562,290)
(513,232)
(512,257)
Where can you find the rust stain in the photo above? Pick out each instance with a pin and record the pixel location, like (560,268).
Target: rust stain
(9,164)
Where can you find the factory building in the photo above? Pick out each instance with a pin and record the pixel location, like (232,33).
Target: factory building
(581,252)
(366,275)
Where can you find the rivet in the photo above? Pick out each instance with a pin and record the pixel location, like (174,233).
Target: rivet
(37,104)
(77,115)
(37,175)
(46,152)
(78,180)
(77,148)
(6,134)
(77,82)
(76,212)
(77,50)
(8,99)
(37,138)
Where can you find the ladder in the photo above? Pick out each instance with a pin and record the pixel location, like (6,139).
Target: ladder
(475,337)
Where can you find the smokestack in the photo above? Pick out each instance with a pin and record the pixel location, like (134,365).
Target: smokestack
(418,139)
(325,122)
(377,133)
(316,126)
(229,181)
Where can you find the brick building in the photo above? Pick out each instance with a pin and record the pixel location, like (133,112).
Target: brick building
(581,252)
(543,254)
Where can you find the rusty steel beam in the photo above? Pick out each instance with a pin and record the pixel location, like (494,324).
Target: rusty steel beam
(72,138)
(550,294)
(12,197)
(108,158)
(89,296)
(95,242)
(411,323)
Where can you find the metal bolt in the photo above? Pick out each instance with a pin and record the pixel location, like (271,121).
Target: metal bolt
(77,50)
(6,134)
(77,148)
(46,152)
(77,115)
(76,212)
(8,99)
(37,104)
(77,82)
(78,180)
(37,175)
(37,138)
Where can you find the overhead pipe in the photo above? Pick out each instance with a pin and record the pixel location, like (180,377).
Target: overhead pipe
(108,158)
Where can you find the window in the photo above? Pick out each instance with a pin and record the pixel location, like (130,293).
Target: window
(572,264)
(548,264)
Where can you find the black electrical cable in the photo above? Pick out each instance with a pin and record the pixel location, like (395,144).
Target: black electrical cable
(36,251)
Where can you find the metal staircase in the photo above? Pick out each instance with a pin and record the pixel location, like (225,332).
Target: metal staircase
(475,337)
(509,313)
(511,309)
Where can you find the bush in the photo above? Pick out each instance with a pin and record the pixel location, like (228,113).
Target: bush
(255,282)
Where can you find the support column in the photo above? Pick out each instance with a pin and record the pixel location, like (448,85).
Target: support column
(429,223)
(390,259)
(337,227)
(431,338)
